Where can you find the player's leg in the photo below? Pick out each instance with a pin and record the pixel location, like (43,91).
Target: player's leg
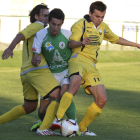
(49,115)
(41,113)
(93,85)
(71,111)
(49,88)
(63,80)
(99,95)
(44,103)
(75,72)
(49,118)
(66,99)
(95,108)
(13,114)
(30,103)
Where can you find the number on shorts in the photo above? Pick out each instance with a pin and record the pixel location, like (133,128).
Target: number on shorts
(95,79)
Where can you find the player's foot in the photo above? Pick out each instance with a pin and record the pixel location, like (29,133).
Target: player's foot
(35,126)
(79,134)
(56,124)
(47,132)
(88,133)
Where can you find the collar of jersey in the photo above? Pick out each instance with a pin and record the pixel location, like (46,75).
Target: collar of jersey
(52,35)
(40,22)
(87,18)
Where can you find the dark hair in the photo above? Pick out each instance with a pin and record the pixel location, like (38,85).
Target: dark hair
(56,13)
(98,5)
(36,10)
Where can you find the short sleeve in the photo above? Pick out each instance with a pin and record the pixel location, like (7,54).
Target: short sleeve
(109,35)
(31,29)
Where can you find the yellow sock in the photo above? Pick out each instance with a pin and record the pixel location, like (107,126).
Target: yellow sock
(64,104)
(50,115)
(13,114)
(92,112)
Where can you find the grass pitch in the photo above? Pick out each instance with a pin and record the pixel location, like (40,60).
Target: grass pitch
(119,119)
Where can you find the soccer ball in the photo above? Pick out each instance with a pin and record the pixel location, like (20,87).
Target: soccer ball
(69,128)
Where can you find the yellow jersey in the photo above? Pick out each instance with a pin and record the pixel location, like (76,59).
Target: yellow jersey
(27,53)
(85,28)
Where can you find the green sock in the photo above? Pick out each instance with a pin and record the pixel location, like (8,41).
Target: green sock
(40,115)
(71,111)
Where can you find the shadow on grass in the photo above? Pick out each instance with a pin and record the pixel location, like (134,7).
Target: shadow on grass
(119,119)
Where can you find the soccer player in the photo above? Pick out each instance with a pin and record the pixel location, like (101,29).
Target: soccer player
(53,42)
(87,36)
(34,79)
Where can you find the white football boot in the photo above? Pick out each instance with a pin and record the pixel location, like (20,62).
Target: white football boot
(88,133)
(47,132)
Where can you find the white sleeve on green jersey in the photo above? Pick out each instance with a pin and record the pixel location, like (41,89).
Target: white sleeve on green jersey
(66,33)
(38,40)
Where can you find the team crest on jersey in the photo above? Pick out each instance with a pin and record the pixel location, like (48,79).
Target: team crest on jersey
(62,45)
(100,31)
(49,46)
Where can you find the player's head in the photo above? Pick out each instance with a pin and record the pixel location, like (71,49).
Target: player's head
(97,12)
(39,13)
(55,19)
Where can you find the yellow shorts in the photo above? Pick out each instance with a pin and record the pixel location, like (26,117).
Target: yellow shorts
(39,81)
(87,70)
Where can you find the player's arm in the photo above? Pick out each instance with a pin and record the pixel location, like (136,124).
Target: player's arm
(75,38)
(111,37)
(36,48)
(36,59)
(9,51)
(75,44)
(125,42)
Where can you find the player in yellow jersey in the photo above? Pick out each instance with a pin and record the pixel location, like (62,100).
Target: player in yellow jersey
(87,36)
(34,79)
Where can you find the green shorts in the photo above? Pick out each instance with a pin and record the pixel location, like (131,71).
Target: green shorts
(37,82)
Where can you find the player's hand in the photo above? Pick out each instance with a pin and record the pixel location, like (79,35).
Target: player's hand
(86,41)
(8,52)
(36,60)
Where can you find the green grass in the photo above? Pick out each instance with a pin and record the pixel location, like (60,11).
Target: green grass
(119,119)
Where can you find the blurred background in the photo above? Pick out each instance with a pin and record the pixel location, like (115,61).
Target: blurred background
(122,16)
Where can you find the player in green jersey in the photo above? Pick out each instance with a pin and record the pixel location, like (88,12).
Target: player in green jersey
(53,42)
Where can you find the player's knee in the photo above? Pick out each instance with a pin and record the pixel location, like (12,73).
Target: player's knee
(102,101)
(30,107)
(74,88)
(55,94)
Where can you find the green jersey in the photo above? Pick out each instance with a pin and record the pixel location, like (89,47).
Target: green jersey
(55,49)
